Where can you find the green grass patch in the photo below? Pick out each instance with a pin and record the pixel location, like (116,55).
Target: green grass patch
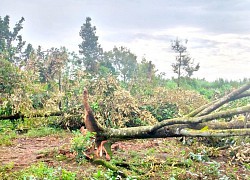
(43,131)
(37,171)
(7,137)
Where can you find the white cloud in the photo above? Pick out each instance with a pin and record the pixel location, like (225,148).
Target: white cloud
(220,55)
(217,31)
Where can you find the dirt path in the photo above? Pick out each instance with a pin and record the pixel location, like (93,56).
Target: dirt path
(25,151)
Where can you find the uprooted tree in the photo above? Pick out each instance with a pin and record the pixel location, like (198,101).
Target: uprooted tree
(202,122)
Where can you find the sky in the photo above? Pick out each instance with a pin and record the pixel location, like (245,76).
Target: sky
(218,31)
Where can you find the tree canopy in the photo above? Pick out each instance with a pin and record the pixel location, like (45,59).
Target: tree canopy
(90,48)
(183,61)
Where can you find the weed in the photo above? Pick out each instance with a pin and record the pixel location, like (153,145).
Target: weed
(179,173)
(6,138)
(188,162)
(109,174)
(133,154)
(213,168)
(60,157)
(150,151)
(5,170)
(81,143)
(247,166)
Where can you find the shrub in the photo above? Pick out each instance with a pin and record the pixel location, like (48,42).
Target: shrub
(80,143)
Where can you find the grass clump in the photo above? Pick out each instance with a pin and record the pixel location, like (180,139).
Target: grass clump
(7,137)
(37,171)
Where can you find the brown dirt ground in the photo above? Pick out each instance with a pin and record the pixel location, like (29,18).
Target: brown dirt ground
(26,151)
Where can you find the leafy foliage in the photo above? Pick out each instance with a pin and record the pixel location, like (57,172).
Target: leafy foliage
(90,47)
(179,100)
(184,62)
(124,62)
(9,77)
(162,111)
(81,143)
(115,107)
(11,43)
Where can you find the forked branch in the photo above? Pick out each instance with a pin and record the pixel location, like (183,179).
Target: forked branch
(178,126)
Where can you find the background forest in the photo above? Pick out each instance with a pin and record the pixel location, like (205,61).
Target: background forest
(43,88)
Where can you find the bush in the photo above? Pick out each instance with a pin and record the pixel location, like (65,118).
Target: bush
(80,143)
(115,107)
(162,111)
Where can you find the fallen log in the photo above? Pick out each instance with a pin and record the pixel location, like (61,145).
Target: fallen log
(183,126)
(21,116)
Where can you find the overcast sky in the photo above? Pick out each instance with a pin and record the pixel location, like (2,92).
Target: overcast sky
(218,31)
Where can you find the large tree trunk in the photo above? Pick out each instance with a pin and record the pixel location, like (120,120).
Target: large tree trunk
(192,124)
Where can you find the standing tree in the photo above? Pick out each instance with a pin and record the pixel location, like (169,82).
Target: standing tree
(183,60)
(11,43)
(27,53)
(90,48)
(124,62)
(146,70)
(107,65)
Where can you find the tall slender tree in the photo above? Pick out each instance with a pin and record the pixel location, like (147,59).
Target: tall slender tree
(90,48)
(183,61)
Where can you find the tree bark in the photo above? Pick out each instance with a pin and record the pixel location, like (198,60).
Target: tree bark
(191,124)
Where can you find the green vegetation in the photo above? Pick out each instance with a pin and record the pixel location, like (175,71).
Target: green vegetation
(81,143)
(7,137)
(43,131)
(184,62)
(41,102)
(37,171)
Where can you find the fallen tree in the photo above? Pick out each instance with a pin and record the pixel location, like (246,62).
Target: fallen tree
(202,122)
(22,116)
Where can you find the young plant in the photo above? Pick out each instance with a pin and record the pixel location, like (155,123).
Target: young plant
(81,143)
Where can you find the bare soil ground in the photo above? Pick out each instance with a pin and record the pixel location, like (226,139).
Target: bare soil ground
(27,151)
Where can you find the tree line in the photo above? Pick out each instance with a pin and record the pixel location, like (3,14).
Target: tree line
(51,80)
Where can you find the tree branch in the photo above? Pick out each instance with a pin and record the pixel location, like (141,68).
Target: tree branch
(201,119)
(205,106)
(215,133)
(182,126)
(224,100)
(162,129)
